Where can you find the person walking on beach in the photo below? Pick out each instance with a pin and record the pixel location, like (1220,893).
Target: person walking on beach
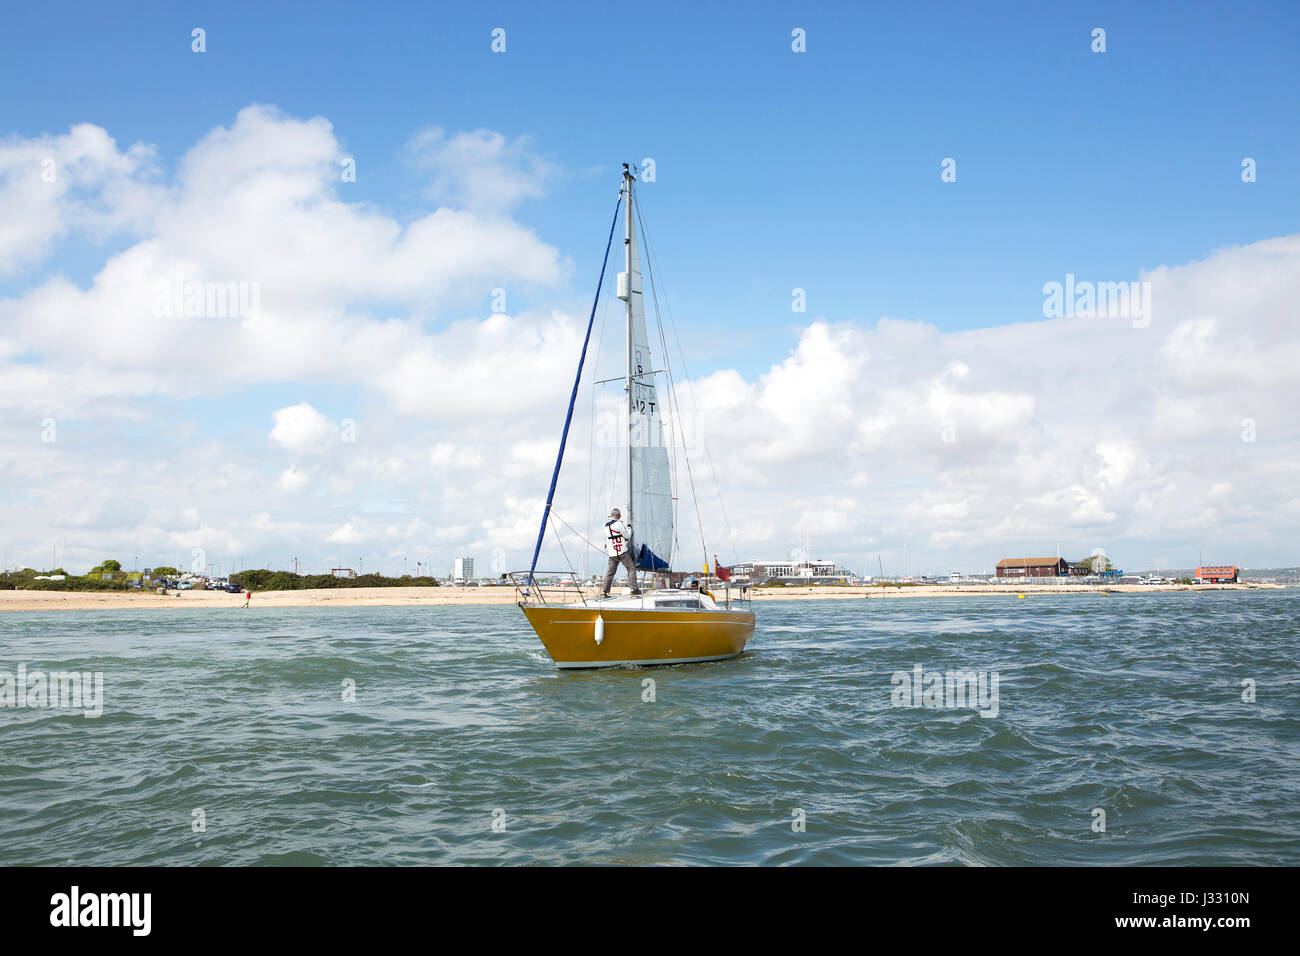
(618,545)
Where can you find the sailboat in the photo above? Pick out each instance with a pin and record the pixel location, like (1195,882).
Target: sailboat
(653,626)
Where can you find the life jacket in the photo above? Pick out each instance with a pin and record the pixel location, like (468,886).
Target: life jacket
(616,542)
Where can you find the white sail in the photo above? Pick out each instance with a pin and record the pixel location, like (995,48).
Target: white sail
(652,488)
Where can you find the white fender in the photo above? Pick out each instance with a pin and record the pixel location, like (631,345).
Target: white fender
(600,628)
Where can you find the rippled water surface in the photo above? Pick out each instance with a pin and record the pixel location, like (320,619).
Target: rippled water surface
(1127,704)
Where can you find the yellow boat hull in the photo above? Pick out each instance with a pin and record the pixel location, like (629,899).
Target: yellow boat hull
(639,637)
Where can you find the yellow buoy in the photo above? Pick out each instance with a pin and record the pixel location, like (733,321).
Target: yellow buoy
(1020,596)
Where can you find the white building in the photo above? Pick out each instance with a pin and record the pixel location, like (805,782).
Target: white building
(462,570)
(794,572)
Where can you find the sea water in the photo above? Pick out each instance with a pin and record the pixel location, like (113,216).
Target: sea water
(1145,729)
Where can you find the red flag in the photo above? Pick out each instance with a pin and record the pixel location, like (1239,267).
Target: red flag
(724,574)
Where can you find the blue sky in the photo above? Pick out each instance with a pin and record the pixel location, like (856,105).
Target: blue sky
(775,170)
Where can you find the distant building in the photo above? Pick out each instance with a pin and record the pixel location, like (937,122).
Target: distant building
(743,573)
(342,573)
(1218,573)
(1032,568)
(791,572)
(462,570)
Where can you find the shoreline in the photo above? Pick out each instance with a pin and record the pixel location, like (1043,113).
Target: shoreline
(484,596)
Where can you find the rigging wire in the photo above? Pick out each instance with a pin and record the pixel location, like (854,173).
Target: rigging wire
(560,542)
(591,433)
(672,391)
(651,260)
(573,398)
(576,533)
(654,436)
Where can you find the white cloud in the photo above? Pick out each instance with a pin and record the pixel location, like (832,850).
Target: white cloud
(52,185)
(1117,461)
(301,428)
(346,534)
(257,205)
(1010,439)
(480,169)
(291,479)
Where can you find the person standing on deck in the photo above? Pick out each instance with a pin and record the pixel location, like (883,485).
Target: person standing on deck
(618,545)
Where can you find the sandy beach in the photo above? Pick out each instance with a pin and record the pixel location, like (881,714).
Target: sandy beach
(437,597)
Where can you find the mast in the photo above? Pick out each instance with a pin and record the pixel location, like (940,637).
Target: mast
(627,260)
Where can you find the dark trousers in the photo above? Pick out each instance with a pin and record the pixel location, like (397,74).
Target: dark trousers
(614,562)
